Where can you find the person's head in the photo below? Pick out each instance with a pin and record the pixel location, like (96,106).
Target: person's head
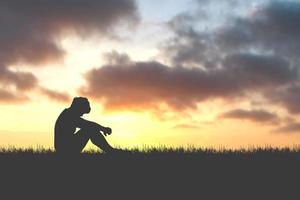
(81,105)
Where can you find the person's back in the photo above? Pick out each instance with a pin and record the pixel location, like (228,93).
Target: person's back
(66,139)
(64,130)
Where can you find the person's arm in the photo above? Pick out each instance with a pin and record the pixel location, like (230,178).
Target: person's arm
(82,123)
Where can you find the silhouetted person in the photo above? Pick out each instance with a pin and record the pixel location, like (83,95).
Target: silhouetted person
(67,140)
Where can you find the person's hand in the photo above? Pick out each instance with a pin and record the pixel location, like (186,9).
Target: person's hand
(107,131)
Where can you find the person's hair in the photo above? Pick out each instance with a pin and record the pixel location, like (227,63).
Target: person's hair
(80,104)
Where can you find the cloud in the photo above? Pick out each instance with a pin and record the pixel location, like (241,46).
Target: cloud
(260,116)
(186,126)
(195,40)
(8,97)
(257,44)
(21,80)
(114,58)
(288,97)
(145,85)
(247,53)
(289,128)
(15,84)
(274,26)
(55,95)
(30,31)
(260,70)
(189,46)
(269,28)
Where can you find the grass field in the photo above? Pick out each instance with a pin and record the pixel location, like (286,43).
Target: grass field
(148,150)
(153,173)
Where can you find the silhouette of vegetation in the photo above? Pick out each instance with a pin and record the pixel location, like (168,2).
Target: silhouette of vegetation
(152,173)
(148,150)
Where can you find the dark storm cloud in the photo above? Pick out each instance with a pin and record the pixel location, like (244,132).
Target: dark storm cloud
(260,116)
(30,30)
(55,95)
(146,84)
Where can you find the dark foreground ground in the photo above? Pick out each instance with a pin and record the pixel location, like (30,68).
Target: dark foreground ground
(155,174)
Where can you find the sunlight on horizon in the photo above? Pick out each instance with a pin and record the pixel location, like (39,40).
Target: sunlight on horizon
(213,84)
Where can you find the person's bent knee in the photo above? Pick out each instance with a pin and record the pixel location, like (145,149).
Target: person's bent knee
(89,132)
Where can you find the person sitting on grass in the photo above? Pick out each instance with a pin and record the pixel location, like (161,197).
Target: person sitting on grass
(67,140)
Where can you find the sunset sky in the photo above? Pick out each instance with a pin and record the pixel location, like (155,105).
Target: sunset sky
(207,73)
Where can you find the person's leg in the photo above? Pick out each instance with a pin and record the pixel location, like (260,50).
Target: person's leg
(81,139)
(83,136)
(99,140)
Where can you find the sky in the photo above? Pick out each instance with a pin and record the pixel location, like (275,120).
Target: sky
(203,73)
